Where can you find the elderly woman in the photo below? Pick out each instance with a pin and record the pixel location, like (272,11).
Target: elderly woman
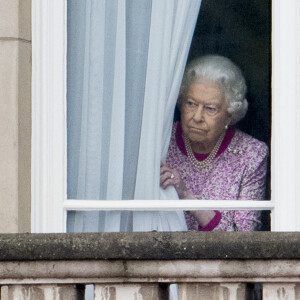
(208,157)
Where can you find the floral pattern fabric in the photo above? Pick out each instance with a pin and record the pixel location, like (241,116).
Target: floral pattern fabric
(238,172)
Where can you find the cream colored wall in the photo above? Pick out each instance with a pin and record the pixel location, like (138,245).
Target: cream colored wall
(15,115)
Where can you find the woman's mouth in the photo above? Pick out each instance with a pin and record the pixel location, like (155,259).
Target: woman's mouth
(193,129)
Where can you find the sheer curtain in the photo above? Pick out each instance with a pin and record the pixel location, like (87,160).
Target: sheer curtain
(125,64)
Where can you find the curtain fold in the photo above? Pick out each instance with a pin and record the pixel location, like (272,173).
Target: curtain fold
(125,62)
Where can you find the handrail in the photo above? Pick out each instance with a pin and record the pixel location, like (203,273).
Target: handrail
(189,245)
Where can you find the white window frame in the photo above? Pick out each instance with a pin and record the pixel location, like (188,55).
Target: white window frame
(49,204)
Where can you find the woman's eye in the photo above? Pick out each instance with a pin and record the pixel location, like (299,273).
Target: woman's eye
(211,109)
(190,103)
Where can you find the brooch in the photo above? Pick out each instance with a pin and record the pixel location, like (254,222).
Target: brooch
(235,151)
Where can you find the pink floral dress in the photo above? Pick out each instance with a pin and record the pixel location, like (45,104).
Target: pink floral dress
(237,172)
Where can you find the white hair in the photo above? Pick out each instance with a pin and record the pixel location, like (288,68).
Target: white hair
(226,75)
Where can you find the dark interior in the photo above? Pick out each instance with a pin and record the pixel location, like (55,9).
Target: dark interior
(241,31)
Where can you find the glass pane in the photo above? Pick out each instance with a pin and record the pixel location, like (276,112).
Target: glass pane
(98,221)
(240,31)
(106,69)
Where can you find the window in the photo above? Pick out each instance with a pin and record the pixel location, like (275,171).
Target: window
(49,203)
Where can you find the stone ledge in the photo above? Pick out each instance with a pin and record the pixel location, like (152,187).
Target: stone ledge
(150,246)
(118,271)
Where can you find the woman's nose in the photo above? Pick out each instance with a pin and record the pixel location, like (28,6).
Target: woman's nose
(198,115)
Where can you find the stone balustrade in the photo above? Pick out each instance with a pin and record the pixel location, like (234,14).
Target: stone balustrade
(142,266)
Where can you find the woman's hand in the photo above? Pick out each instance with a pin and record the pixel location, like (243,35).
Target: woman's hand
(169,176)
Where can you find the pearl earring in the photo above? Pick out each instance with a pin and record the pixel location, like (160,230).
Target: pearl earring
(226,127)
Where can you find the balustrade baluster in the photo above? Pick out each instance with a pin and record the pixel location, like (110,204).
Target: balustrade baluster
(42,292)
(212,291)
(126,291)
(281,291)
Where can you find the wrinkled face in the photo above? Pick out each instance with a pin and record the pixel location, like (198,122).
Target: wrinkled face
(204,115)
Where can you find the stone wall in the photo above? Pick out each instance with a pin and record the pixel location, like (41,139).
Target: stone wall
(123,266)
(15,115)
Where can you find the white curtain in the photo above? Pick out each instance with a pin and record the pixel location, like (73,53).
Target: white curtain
(125,64)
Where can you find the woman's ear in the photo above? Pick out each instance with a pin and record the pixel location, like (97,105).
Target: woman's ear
(179,101)
(229,119)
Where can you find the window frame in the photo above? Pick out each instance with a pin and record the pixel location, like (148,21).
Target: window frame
(49,204)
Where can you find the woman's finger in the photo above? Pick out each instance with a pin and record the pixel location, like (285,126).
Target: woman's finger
(164,169)
(168,182)
(165,176)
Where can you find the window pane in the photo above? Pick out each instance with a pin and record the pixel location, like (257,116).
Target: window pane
(98,221)
(238,31)
(241,31)
(107,61)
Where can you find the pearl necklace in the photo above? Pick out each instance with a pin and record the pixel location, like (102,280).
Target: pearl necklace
(206,162)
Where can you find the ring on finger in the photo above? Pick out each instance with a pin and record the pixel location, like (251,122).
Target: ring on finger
(172,176)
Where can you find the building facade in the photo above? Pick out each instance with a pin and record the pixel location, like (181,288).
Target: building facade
(15,110)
